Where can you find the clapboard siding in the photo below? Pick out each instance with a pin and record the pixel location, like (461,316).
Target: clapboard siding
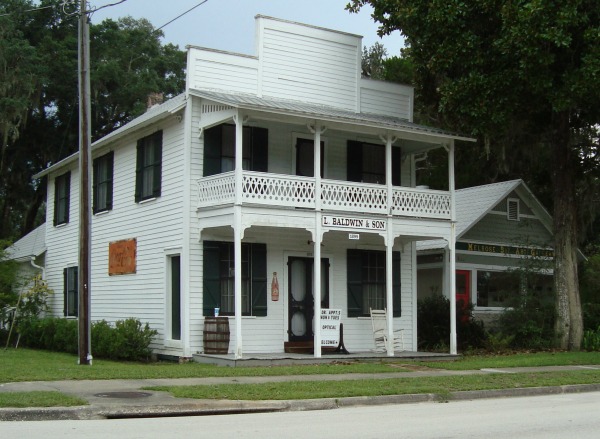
(378,97)
(497,228)
(211,69)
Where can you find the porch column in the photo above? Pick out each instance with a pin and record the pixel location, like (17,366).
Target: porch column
(237,236)
(317,242)
(389,287)
(452,250)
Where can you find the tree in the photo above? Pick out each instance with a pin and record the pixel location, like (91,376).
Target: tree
(128,62)
(522,77)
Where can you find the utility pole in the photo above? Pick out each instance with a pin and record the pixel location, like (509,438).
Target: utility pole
(85,352)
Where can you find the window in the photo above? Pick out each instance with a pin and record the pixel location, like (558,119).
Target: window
(366,275)
(103,183)
(71,292)
(512,209)
(62,193)
(175,296)
(497,288)
(219,149)
(219,277)
(148,167)
(366,163)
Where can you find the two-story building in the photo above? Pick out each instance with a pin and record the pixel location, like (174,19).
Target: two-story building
(278,184)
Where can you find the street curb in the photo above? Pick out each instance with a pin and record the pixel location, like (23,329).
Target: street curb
(225,407)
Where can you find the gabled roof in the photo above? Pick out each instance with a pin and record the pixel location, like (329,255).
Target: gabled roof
(473,203)
(31,245)
(321,112)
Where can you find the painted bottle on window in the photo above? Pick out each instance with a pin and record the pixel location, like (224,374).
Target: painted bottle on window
(274,288)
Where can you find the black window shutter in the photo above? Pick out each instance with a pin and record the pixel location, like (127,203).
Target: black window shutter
(213,137)
(76,290)
(354,279)
(396,164)
(396,283)
(139,165)
(55,220)
(109,190)
(211,282)
(354,161)
(260,149)
(67,196)
(95,185)
(65,291)
(259,279)
(157,141)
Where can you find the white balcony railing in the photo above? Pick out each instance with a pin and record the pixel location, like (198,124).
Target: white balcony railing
(276,190)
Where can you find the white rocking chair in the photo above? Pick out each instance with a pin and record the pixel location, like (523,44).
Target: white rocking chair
(380,332)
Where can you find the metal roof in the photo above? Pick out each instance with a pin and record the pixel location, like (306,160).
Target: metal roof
(31,245)
(321,112)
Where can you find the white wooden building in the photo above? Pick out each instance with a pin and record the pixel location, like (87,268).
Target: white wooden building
(280,169)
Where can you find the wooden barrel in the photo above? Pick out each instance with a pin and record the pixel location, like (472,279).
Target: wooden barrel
(216,335)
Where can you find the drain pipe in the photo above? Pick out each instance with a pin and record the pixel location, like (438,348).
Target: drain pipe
(34,265)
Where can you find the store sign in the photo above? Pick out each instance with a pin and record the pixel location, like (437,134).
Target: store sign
(122,257)
(505,250)
(330,327)
(353,223)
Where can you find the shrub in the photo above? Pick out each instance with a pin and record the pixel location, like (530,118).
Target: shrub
(591,340)
(591,316)
(127,340)
(433,325)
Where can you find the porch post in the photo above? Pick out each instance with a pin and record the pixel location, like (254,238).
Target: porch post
(452,250)
(389,244)
(389,287)
(317,243)
(237,239)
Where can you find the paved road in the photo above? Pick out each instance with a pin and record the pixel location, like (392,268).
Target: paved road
(551,416)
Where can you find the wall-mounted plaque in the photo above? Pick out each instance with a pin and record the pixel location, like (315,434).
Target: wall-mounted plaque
(122,257)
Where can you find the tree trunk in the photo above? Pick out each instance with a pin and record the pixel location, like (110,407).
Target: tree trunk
(569,322)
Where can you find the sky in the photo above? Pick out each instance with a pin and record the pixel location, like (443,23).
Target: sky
(229,24)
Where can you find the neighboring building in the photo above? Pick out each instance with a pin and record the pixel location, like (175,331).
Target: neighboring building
(30,253)
(274,179)
(501,230)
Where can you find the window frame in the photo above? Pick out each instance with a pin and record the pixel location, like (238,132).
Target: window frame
(62,198)
(149,167)
(102,188)
(71,291)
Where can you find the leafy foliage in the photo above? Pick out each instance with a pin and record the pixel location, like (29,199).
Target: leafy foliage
(591,340)
(127,340)
(433,325)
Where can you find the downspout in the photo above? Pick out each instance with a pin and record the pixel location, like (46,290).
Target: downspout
(34,265)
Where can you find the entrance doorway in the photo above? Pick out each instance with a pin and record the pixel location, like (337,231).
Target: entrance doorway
(301,307)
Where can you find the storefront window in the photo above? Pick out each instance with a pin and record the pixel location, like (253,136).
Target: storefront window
(496,288)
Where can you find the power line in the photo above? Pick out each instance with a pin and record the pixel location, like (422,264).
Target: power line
(181,15)
(27,10)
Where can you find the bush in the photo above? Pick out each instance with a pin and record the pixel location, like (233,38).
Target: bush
(591,340)
(433,325)
(591,316)
(127,340)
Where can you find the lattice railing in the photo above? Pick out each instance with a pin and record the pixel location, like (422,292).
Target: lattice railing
(421,203)
(278,190)
(292,191)
(354,197)
(216,189)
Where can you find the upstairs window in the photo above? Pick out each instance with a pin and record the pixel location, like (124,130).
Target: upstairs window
(62,195)
(366,163)
(512,209)
(148,167)
(219,149)
(103,183)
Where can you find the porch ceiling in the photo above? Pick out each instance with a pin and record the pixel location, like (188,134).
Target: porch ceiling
(419,137)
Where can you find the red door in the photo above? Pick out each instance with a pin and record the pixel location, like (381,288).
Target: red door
(463,288)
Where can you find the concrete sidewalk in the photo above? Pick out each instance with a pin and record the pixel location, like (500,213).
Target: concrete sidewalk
(110,399)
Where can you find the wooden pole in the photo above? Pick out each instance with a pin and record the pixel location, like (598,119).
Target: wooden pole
(85,357)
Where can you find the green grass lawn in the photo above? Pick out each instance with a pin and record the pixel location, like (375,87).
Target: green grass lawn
(396,386)
(38,399)
(33,365)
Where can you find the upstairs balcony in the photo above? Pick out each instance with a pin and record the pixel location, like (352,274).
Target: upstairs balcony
(291,191)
